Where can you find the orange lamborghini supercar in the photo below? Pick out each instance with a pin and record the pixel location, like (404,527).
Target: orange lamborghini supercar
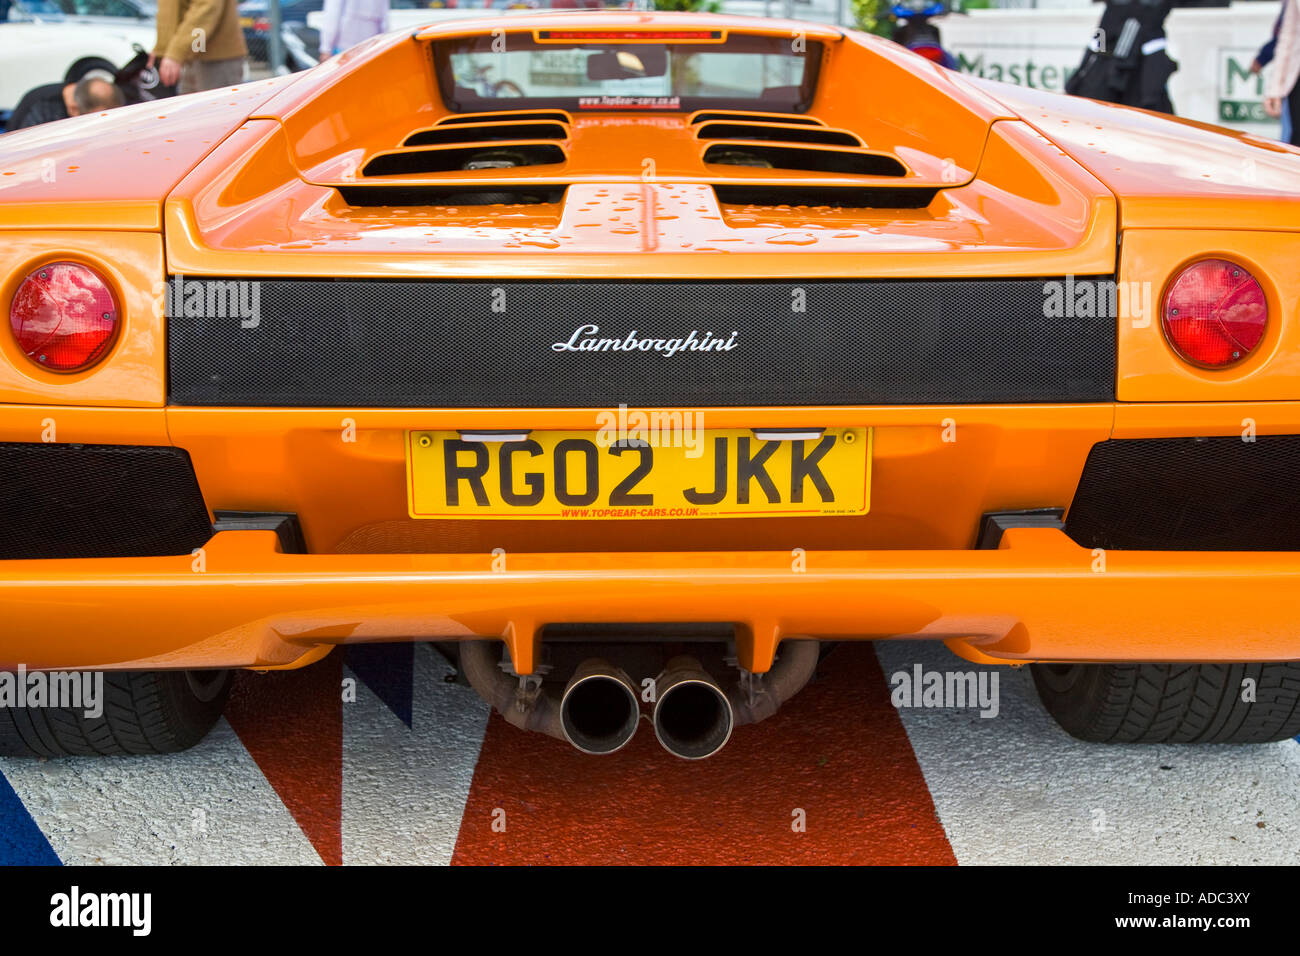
(630,358)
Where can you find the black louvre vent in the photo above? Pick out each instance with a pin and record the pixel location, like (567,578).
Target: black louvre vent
(738,116)
(808,159)
(1190,494)
(98,501)
(507,344)
(841,197)
(488,132)
(777,133)
(558,115)
(416,195)
(447,159)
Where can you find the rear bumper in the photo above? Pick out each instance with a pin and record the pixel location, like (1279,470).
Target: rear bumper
(243,603)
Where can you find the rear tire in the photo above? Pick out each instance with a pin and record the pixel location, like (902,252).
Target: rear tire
(1172,703)
(145,712)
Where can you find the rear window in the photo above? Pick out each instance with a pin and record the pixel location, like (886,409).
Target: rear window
(569,71)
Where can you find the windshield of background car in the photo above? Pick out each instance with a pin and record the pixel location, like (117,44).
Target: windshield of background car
(567,70)
(26,9)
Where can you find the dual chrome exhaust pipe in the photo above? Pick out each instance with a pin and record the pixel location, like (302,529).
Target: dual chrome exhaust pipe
(693,718)
(600,708)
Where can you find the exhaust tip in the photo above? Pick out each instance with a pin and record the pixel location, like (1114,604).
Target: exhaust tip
(693,718)
(599,711)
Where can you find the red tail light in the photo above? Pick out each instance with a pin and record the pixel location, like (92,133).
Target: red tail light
(64,316)
(932,53)
(1214,313)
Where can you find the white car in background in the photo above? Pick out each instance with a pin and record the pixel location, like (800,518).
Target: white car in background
(111,12)
(41,44)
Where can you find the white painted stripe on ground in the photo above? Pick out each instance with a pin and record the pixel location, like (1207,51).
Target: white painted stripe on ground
(208,805)
(1018,789)
(404,791)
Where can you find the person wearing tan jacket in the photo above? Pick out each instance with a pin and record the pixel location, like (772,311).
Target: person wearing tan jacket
(1284,81)
(200,44)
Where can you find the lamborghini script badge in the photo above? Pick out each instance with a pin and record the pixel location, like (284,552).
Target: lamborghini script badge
(587,338)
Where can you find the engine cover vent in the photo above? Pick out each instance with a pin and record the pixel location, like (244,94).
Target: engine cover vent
(558,116)
(414,195)
(808,159)
(455,158)
(737,116)
(777,133)
(485,133)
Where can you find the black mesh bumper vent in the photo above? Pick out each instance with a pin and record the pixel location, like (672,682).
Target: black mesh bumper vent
(448,344)
(1190,494)
(98,501)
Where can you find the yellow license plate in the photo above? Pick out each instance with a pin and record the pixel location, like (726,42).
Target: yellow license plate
(719,473)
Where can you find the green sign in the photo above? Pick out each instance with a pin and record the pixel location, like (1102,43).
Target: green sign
(1241,93)
(1243,111)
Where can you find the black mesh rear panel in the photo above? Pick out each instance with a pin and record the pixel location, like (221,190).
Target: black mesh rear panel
(1190,494)
(98,501)
(493,344)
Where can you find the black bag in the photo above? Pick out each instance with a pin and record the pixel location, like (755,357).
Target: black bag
(1143,84)
(139,81)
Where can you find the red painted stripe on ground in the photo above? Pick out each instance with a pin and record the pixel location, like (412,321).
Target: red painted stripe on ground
(291,722)
(837,751)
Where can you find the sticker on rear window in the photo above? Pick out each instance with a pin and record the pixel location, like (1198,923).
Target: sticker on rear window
(630,102)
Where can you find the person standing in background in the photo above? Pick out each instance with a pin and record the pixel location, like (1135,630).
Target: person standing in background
(1280,90)
(1126,60)
(1262,59)
(348,22)
(200,44)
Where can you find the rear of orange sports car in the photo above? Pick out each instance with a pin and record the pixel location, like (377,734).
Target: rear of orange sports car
(633,357)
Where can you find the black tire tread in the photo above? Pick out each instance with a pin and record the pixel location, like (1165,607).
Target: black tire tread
(1175,703)
(145,712)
